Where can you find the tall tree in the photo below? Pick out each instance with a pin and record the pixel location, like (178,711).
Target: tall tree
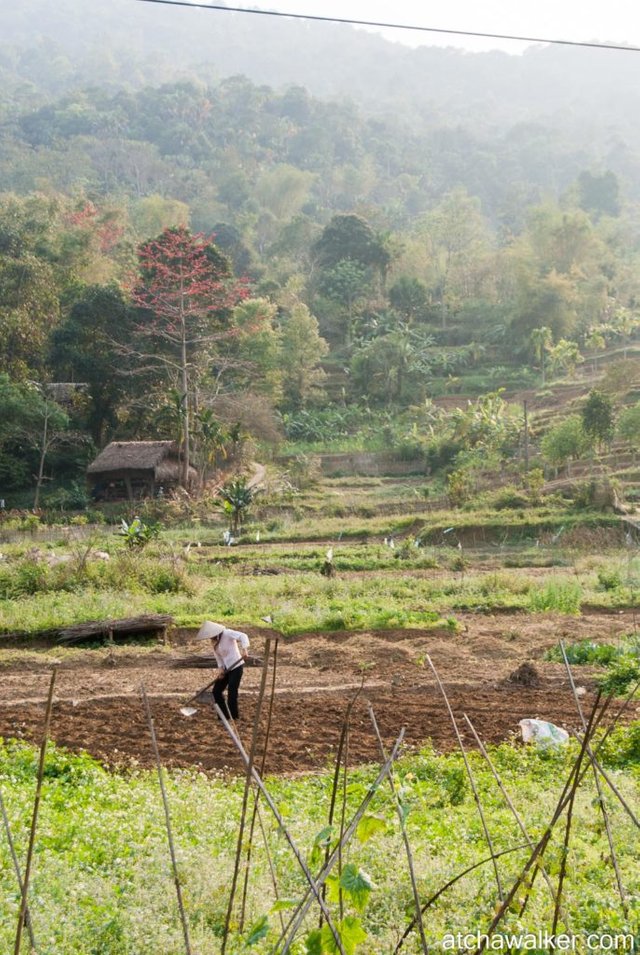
(87,348)
(186,291)
(302,351)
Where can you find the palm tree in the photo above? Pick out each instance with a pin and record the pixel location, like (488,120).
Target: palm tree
(541,339)
(235,498)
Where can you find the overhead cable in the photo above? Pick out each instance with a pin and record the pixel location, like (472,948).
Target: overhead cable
(394,26)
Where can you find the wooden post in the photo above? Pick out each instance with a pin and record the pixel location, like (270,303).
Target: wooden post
(526,441)
(34,818)
(167,818)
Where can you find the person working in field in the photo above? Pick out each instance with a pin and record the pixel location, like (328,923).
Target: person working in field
(230,649)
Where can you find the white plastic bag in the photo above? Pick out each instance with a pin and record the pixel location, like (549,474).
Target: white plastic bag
(542,733)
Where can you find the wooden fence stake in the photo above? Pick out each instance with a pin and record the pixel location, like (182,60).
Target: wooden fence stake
(245,795)
(472,781)
(596,778)
(403,830)
(16,868)
(167,819)
(274,809)
(34,818)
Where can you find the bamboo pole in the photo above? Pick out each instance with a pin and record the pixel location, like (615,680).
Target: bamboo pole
(336,779)
(167,819)
(34,817)
(443,888)
(508,800)
(245,795)
(274,809)
(596,778)
(16,868)
(403,830)
(567,794)
(263,762)
(472,781)
(303,908)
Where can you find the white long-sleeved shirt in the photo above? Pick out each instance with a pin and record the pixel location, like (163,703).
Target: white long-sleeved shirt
(227,652)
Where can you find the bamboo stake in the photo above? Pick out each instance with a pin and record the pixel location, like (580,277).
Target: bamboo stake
(16,867)
(596,778)
(274,809)
(403,830)
(508,800)
(612,786)
(303,908)
(245,795)
(263,762)
(443,888)
(570,788)
(334,788)
(167,820)
(34,817)
(272,871)
(472,781)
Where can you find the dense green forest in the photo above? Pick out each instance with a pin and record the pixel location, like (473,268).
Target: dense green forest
(356,240)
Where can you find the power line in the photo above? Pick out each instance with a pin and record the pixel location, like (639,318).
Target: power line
(394,26)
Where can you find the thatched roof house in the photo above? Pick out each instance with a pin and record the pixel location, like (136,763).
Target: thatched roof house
(135,469)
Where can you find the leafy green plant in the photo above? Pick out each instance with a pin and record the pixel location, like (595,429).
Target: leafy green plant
(609,579)
(137,534)
(235,498)
(562,596)
(620,676)
(585,651)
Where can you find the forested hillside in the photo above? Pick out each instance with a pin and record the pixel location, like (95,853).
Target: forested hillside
(406,224)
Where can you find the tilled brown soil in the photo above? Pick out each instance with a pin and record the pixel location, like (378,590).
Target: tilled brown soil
(98,706)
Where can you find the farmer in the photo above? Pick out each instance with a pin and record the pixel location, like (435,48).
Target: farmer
(230,648)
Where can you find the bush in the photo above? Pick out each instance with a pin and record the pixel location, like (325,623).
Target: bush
(509,498)
(621,676)
(560,595)
(609,579)
(24,579)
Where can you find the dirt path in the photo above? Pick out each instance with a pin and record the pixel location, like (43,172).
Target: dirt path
(98,705)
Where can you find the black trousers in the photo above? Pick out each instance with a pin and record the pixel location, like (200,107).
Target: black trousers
(230,682)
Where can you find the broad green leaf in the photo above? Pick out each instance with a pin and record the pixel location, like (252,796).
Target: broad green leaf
(324,836)
(320,842)
(332,883)
(351,934)
(369,826)
(357,885)
(313,943)
(258,931)
(283,904)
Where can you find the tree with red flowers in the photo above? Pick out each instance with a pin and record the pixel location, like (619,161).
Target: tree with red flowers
(186,290)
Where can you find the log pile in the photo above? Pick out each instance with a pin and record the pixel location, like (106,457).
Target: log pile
(111,630)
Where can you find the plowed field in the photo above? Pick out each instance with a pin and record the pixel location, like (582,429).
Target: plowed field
(98,706)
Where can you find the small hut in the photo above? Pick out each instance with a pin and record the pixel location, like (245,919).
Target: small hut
(135,469)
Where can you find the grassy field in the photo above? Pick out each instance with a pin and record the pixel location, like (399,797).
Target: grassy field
(103,885)
(102,878)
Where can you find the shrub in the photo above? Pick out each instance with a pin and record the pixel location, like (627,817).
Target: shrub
(563,596)
(620,676)
(609,579)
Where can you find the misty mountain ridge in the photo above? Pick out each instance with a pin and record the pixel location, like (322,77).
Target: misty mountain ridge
(49,50)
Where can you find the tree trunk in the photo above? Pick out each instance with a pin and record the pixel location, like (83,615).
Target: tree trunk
(43,455)
(185,413)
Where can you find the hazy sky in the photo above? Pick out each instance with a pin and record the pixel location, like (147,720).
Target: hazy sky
(604,20)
